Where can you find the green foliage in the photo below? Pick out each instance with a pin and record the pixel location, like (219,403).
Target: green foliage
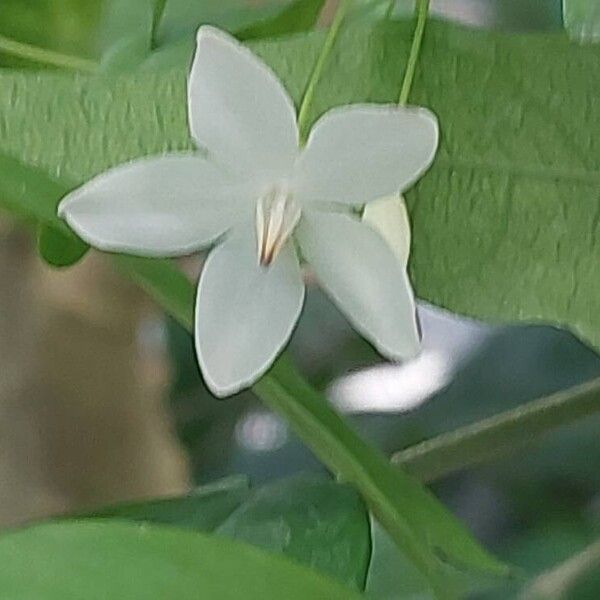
(318,523)
(100,559)
(505,227)
(504,223)
(391,576)
(502,433)
(419,524)
(582,20)
(202,510)
(33,196)
(323,525)
(67,26)
(426,532)
(126,33)
(297,17)
(181,17)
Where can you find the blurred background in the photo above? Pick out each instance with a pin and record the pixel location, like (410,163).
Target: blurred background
(101,399)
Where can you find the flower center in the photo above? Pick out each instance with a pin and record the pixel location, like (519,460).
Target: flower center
(277,215)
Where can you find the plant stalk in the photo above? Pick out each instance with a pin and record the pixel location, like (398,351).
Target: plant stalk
(45,57)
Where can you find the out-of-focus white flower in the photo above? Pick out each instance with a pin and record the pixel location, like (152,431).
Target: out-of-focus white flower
(262,199)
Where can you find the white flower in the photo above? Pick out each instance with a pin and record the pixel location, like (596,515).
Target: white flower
(264,199)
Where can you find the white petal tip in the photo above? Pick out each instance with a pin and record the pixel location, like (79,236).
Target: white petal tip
(230,388)
(62,208)
(209,32)
(223,391)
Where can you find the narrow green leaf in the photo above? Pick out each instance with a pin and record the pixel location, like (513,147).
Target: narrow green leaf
(500,434)
(56,34)
(100,560)
(390,575)
(42,57)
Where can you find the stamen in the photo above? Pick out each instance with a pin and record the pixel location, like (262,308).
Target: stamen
(277,215)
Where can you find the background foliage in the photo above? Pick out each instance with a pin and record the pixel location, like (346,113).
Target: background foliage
(505,228)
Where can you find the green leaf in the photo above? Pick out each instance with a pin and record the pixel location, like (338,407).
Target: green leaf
(33,196)
(323,525)
(582,20)
(391,576)
(296,17)
(150,118)
(181,18)
(30,193)
(418,523)
(202,510)
(125,31)
(425,531)
(504,224)
(318,523)
(99,560)
(503,433)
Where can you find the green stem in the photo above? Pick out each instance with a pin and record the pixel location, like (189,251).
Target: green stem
(422,9)
(45,57)
(341,450)
(499,434)
(307,99)
(407,510)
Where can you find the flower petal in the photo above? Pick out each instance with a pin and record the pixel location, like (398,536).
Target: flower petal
(245,313)
(164,206)
(362,275)
(238,109)
(359,153)
(389,217)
